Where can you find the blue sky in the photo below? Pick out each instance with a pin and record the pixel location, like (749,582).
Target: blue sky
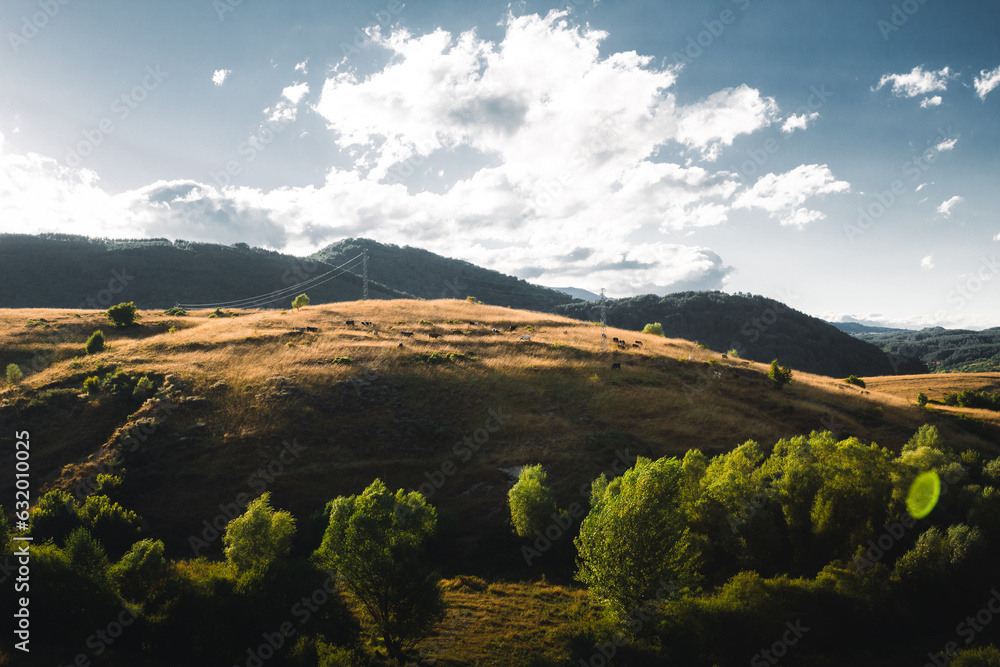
(841,157)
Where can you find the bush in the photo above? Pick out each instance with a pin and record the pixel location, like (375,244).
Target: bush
(984,656)
(532,503)
(855,380)
(14,374)
(655,328)
(95,343)
(141,571)
(922,399)
(55,517)
(733,353)
(175,312)
(123,315)
(258,537)
(92,385)
(143,388)
(116,527)
(300,301)
(779,375)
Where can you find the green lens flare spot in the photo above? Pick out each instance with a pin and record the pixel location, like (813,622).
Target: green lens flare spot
(924,494)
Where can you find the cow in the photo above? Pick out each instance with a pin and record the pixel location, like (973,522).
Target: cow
(495,330)
(525,337)
(725,356)
(349,323)
(616,366)
(638,343)
(433,335)
(406,333)
(399,345)
(366,324)
(615,339)
(513,328)
(314,329)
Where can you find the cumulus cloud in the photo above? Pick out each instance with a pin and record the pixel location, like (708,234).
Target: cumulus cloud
(930,102)
(997,237)
(946,145)
(564,180)
(917,81)
(301,67)
(783,195)
(927,262)
(946,206)
(220,76)
(987,81)
(798,122)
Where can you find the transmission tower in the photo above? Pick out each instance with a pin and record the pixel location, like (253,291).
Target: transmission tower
(604,321)
(365,292)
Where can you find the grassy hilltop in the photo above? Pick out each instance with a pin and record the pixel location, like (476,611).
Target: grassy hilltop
(306,407)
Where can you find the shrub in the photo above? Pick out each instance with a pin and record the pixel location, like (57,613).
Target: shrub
(300,301)
(470,299)
(532,503)
(258,537)
(175,312)
(143,388)
(116,527)
(141,571)
(984,656)
(92,385)
(123,315)
(855,380)
(733,353)
(95,343)
(779,375)
(655,328)
(55,517)
(922,399)
(14,374)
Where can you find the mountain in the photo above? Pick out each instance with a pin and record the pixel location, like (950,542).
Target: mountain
(759,328)
(857,327)
(943,350)
(578,293)
(427,275)
(63,271)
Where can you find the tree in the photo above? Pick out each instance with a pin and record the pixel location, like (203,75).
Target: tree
(299,301)
(258,537)
(532,503)
(95,343)
(922,399)
(635,538)
(123,315)
(14,374)
(141,571)
(376,542)
(779,375)
(655,328)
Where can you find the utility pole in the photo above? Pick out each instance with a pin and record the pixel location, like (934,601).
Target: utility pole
(365,294)
(604,321)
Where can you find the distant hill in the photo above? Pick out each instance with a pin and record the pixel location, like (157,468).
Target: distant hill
(857,327)
(578,293)
(761,329)
(427,275)
(943,350)
(64,271)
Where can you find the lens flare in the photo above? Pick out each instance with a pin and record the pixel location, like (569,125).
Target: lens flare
(924,494)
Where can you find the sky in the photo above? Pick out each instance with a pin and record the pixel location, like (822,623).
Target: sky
(838,156)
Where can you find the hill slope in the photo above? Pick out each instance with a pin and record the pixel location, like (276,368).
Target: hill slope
(427,275)
(761,329)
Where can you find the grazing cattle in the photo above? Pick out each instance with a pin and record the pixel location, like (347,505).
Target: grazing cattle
(474,324)
(616,366)
(349,323)
(525,337)
(725,356)
(604,335)
(399,345)
(565,331)
(615,339)
(406,333)
(621,345)
(366,324)
(513,328)
(312,328)
(434,335)
(638,343)
(495,330)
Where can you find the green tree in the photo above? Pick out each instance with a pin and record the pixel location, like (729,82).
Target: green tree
(855,380)
(921,399)
(258,537)
(635,538)
(779,375)
(532,503)
(95,343)
(655,328)
(141,572)
(377,542)
(299,301)
(116,527)
(55,516)
(14,374)
(123,315)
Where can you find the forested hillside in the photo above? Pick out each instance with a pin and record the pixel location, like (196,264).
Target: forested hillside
(759,328)
(943,350)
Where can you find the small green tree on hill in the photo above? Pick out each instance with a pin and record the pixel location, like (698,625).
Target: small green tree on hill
(532,503)
(95,343)
(655,328)
(123,315)
(258,537)
(14,374)
(779,375)
(299,301)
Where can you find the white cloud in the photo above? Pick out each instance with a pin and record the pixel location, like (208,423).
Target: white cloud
(987,81)
(997,237)
(301,67)
(286,109)
(220,76)
(798,122)
(782,195)
(946,206)
(916,82)
(716,121)
(930,102)
(946,145)
(921,187)
(295,93)
(927,262)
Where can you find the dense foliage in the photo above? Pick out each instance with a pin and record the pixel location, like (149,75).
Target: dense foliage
(532,503)
(943,350)
(756,327)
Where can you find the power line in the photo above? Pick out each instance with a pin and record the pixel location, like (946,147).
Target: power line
(365,290)
(277,294)
(604,321)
